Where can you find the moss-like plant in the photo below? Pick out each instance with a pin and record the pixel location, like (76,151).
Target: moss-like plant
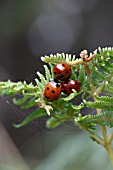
(95,72)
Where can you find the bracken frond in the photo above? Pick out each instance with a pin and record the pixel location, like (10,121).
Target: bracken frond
(104,98)
(47,73)
(34,115)
(82,77)
(105,119)
(71,96)
(99,105)
(60,58)
(10,88)
(56,121)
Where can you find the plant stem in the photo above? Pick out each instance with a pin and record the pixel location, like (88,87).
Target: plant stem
(92,135)
(107,143)
(106,140)
(111,137)
(109,150)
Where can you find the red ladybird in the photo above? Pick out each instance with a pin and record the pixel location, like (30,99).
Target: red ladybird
(52,90)
(62,71)
(68,85)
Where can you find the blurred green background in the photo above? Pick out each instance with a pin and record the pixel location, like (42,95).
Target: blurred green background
(33,28)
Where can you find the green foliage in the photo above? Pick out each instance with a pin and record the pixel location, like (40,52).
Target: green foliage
(56,121)
(71,96)
(90,126)
(101,67)
(63,111)
(47,73)
(104,98)
(58,58)
(96,76)
(34,115)
(104,119)
(99,105)
(11,88)
(43,80)
(82,77)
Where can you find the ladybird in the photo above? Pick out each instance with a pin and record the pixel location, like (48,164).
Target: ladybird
(68,85)
(52,90)
(62,71)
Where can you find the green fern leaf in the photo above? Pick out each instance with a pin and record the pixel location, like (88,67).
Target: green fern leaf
(34,115)
(111,81)
(90,125)
(11,88)
(97,77)
(42,78)
(71,96)
(30,93)
(58,58)
(105,69)
(51,68)
(104,59)
(47,73)
(108,64)
(109,87)
(105,98)
(78,108)
(74,75)
(65,107)
(105,119)
(108,90)
(21,100)
(100,105)
(55,121)
(41,88)
(85,96)
(86,85)
(82,77)
(29,103)
(105,52)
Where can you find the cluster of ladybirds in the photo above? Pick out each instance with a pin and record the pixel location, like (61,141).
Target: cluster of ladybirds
(61,82)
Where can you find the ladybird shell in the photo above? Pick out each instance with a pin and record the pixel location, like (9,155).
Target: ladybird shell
(52,91)
(62,71)
(68,85)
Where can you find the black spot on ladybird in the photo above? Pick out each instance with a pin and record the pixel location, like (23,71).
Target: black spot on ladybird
(47,88)
(63,65)
(53,91)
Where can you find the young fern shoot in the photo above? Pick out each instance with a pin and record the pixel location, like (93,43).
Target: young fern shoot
(66,77)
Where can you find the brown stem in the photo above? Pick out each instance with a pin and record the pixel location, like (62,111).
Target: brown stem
(106,139)
(111,137)
(109,150)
